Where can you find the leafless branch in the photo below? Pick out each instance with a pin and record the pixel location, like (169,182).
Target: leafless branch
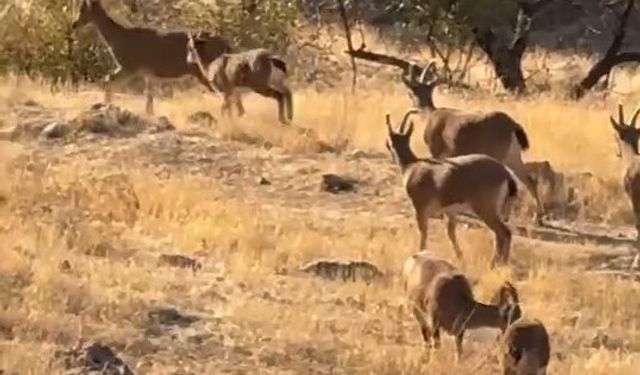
(611,58)
(347,31)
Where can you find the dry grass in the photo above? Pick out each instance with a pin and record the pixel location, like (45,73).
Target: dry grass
(254,320)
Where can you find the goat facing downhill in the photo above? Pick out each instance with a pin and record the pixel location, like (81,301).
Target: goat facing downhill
(255,69)
(524,348)
(451,185)
(441,298)
(627,136)
(146,52)
(453,132)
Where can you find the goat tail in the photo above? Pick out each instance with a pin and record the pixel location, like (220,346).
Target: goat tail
(522,137)
(279,63)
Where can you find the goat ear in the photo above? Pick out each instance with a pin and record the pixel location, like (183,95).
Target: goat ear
(388,121)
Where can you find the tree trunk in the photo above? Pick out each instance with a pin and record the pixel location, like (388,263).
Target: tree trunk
(506,61)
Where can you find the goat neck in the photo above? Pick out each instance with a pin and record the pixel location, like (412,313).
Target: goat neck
(482,315)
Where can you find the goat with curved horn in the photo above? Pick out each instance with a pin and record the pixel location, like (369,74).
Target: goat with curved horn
(627,136)
(451,185)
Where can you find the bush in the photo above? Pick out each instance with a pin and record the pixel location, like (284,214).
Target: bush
(36,37)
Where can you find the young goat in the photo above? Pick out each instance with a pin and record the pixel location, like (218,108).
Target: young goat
(442,296)
(452,132)
(450,185)
(524,348)
(150,53)
(255,69)
(627,137)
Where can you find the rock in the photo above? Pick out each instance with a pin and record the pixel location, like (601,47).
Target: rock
(95,357)
(168,316)
(163,125)
(202,118)
(342,268)
(99,357)
(65,266)
(101,249)
(263,181)
(180,261)
(55,130)
(333,183)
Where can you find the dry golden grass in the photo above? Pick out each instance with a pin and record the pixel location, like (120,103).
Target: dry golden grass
(253,319)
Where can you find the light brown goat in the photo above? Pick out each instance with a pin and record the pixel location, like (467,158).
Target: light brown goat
(627,136)
(453,132)
(450,185)
(147,52)
(255,69)
(525,348)
(441,298)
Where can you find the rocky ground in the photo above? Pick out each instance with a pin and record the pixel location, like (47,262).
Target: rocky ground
(182,250)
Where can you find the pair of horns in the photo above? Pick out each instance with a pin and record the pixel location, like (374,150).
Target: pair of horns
(404,120)
(621,122)
(431,69)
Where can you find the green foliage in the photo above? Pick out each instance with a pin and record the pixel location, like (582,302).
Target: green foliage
(36,37)
(447,21)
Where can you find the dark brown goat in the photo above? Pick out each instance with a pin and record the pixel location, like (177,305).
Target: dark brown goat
(442,298)
(525,348)
(147,52)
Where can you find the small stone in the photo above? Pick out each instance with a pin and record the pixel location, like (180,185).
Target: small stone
(357,153)
(180,261)
(55,130)
(169,316)
(65,266)
(263,181)
(333,183)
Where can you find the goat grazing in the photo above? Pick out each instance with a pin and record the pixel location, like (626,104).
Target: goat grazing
(627,136)
(450,185)
(442,298)
(452,132)
(255,69)
(146,52)
(524,348)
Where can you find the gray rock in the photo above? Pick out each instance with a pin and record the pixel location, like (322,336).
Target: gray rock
(334,183)
(345,269)
(55,130)
(180,261)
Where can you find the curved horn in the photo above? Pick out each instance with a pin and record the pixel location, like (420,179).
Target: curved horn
(620,115)
(410,112)
(634,118)
(424,74)
(431,69)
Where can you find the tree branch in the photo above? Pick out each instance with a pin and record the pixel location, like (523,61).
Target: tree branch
(347,31)
(610,59)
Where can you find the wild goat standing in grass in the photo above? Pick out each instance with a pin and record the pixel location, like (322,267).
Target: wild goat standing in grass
(450,185)
(147,52)
(627,136)
(255,69)
(452,132)
(525,348)
(442,298)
